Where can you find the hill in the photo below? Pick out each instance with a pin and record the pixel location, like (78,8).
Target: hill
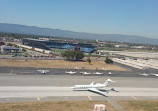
(23,29)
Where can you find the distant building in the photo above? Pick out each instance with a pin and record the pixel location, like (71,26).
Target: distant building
(122,46)
(9,49)
(139,47)
(48,44)
(43,38)
(6,39)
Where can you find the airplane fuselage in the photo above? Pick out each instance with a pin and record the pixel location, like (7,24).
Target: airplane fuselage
(97,88)
(88,86)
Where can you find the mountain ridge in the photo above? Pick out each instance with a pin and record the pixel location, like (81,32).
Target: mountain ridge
(34,30)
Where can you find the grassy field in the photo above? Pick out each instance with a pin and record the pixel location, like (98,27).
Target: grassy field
(139,105)
(54,106)
(59,64)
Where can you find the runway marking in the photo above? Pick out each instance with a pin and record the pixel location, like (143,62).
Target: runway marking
(38,98)
(134,98)
(8,99)
(89,97)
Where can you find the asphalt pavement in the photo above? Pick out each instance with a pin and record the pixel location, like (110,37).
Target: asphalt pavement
(27,84)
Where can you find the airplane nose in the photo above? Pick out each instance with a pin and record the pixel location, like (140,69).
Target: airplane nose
(72,87)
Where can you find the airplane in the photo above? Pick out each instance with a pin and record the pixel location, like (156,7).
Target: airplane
(155,75)
(70,72)
(43,71)
(110,73)
(98,73)
(144,74)
(95,87)
(85,73)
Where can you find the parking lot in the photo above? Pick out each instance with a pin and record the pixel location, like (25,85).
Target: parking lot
(138,63)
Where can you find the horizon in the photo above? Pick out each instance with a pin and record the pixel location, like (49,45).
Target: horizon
(97,17)
(75,31)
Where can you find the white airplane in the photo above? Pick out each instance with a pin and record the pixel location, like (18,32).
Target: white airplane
(70,72)
(110,73)
(43,71)
(85,73)
(155,75)
(98,73)
(144,74)
(95,87)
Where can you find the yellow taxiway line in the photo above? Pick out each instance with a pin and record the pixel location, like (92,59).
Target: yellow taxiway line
(38,98)
(89,97)
(134,98)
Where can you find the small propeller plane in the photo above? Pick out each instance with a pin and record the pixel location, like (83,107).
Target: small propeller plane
(85,73)
(96,88)
(98,73)
(43,71)
(70,72)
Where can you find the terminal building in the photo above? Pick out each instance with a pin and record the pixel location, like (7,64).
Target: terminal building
(48,44)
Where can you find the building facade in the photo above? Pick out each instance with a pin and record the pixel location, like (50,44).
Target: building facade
(9,49)
(48,44)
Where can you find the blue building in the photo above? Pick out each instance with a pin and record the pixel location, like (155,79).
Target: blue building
(48,44)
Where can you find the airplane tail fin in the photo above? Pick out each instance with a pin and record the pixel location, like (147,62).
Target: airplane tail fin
(92,83)
(107,82)
(112,89)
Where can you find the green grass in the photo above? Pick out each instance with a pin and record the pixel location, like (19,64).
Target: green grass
(58,50)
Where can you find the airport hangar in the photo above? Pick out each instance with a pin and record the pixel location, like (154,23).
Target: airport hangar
(48,44)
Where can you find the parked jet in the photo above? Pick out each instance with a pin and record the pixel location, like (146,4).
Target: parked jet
(70,72)
(98,73)
(144,74)
(95,87)
(85,73)
(155,75)
(43,71)
(110,73)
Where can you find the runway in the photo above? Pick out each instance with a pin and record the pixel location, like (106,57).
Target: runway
(23,88)
(28,91)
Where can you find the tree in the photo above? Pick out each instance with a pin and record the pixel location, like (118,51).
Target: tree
(24,50)
(108,61)
(89,60)
(72,55)
(9,44)
(78,55)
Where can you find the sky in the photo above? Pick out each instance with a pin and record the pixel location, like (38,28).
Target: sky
(132,17)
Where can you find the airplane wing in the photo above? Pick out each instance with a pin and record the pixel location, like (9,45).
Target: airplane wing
(46,70)
(97,91)
(40,70)
(43,70)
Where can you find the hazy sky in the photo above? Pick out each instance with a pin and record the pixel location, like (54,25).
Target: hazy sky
(134,17)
